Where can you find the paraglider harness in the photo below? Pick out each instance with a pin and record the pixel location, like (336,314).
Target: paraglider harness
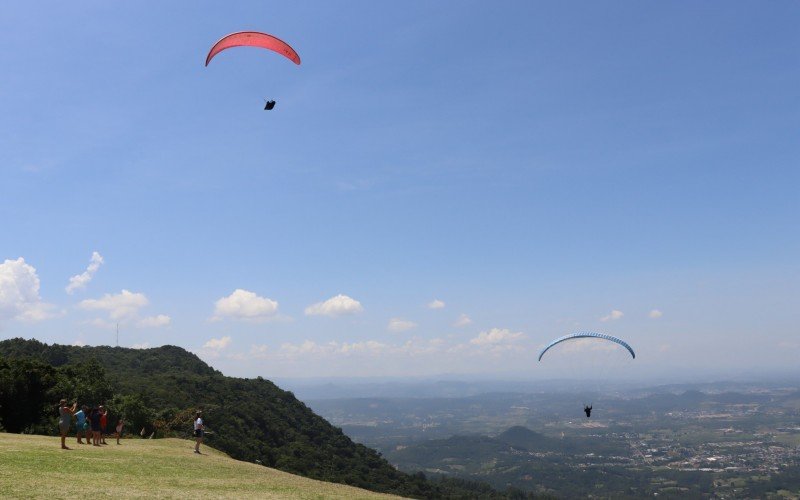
(268,105)
(588,410)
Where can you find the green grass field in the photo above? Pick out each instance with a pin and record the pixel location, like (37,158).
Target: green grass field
(36,467)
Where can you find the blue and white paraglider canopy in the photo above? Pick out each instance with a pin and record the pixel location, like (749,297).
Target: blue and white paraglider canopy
(582,335)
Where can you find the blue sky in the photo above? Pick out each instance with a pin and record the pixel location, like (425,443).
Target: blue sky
(533,166)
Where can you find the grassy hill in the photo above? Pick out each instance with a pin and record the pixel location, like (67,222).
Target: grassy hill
(35,466)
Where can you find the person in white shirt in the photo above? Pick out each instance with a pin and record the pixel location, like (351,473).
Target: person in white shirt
(198,431)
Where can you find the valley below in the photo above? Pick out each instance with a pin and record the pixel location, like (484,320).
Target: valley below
(719,440)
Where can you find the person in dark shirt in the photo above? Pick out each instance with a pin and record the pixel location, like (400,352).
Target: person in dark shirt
(94,417)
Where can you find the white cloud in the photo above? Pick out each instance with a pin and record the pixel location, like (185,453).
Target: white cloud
(79,281)
(400,325)
(417,346)
(655,314)
(613,315)
(257,352)
(493,347)
(218,344)
(462,321)
(436,304)
(155,321)
(79,343)
(307,347)
(143,345)
(19,293)
(39,311)
(496,336)
(368,346)
(120,306)
(335,306)
(243,304)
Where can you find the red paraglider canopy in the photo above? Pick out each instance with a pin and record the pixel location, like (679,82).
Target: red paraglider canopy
(253,39)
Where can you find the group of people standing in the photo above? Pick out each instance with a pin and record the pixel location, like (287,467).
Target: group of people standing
(88,422)
(94,423)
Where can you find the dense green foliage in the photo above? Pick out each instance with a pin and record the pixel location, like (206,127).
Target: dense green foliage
(159,389)
(30,390)
(26,397)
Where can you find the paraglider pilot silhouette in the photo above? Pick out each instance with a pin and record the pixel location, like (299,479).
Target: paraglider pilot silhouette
(583,335)
(254,39)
